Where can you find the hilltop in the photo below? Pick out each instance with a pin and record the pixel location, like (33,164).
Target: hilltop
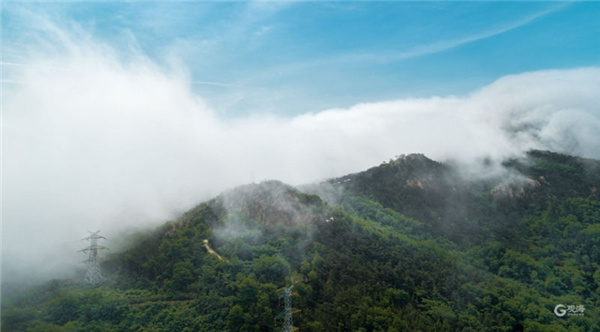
(411,244)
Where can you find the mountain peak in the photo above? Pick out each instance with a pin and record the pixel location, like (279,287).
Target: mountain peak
(271,202)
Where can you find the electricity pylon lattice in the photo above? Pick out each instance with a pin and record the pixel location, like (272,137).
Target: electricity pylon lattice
(93,275)
(288,324)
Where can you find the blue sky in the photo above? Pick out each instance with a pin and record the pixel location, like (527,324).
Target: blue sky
(289,58)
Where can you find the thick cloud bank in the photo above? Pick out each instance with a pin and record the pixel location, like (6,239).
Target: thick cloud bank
(93,141)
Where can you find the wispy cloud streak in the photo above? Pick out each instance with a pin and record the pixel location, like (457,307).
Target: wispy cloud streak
(383,57)
(440,46)
(216,84)
(447,45)
(12,64)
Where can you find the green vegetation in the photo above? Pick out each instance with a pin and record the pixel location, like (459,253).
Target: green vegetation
(406,246)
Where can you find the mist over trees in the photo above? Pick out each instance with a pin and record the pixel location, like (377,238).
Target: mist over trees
(412,244)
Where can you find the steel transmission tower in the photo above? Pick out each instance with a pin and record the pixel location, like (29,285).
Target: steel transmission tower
(288,324)
(93,276)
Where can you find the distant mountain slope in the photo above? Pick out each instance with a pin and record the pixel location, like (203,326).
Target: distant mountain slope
(406,246)
(417,187)
(452,205)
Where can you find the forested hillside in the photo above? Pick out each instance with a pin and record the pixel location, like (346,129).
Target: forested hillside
(409,245)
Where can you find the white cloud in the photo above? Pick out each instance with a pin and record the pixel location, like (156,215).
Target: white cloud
(92,141)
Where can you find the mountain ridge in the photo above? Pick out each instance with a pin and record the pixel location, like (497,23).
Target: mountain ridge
(406,245)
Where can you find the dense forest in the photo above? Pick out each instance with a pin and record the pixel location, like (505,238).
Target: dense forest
(409,245)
